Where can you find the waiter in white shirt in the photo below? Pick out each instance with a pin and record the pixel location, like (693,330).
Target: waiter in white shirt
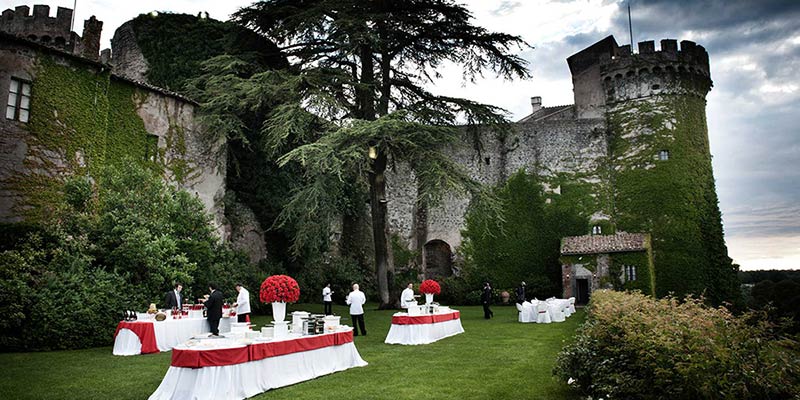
(407,296)
(242,304)
(327,300)
(356,300)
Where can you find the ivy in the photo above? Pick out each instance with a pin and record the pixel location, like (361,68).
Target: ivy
(674,200)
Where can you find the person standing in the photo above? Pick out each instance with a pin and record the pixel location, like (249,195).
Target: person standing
(486,299)
(242,304)
(356,300)
(214,309)
(327,301)
(172,299)
(407,296)
(521,293)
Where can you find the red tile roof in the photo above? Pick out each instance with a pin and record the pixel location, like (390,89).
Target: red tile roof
(598,244)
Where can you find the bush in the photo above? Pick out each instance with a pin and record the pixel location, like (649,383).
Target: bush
(634,347)
(113,246)
(526,245)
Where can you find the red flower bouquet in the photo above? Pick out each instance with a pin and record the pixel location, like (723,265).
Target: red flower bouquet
(279,288)
(430,286)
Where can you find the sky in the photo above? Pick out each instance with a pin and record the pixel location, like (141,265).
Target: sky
(753,110)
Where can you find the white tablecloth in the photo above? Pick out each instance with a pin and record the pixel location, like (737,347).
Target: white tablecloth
(248,379)
(413,334)
(169,333)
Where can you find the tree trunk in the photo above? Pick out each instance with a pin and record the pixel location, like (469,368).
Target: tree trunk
(384,265)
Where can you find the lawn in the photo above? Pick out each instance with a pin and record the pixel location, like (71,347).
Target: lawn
(499,358)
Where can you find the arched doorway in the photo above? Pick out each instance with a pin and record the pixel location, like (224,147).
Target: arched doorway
(438,259)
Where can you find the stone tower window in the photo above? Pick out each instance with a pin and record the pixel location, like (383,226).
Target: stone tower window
(487,160)
(663,155)
(18,106)
(630,273)
(597,230)
(151,148)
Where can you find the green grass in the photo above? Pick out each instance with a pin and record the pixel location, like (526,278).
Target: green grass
(498,358)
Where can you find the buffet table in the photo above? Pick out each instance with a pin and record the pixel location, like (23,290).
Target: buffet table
(423,329)
(143,337)
(242,368)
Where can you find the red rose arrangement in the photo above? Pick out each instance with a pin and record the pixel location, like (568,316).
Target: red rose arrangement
(430,286)
(279,288)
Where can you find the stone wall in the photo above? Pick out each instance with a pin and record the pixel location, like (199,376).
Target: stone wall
(28,161)
(128,60)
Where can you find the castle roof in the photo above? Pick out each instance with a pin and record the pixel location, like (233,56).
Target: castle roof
(546,112)
(599,244)
(7,37)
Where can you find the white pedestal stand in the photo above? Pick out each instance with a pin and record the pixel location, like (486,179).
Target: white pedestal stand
(281,329)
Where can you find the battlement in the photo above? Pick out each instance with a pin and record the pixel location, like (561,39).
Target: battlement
(691,58)
(56,31)
(628,76)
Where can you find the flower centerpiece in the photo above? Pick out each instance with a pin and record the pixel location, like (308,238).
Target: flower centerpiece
(430,287)
(279,290)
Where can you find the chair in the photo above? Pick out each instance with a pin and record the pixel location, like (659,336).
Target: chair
(571,304)
(565,308)
(521,314)
(556,311)
(542,315)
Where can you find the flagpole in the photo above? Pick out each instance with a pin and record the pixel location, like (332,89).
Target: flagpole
(72,23)
(630,25)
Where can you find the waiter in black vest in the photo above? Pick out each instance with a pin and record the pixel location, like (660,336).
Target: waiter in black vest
(213,309)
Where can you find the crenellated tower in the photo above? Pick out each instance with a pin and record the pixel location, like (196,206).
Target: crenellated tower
(54,32)
(660,162)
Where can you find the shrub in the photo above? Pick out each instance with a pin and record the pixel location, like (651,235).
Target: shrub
(634,347)
(109,247)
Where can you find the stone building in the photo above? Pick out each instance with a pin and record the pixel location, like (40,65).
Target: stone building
(68,113)
(636,138)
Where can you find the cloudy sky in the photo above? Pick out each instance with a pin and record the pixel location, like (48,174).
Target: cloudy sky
(753,109)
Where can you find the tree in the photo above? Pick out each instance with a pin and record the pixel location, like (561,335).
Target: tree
(358,74)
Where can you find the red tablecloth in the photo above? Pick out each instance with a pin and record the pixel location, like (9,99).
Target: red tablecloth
(256,351)
(425,319)
(144,330)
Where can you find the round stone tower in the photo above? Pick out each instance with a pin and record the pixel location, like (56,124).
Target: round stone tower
(660,163)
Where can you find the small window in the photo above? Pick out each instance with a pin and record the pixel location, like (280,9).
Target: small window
(18,106)
(630,273)
(663,155)
(597,230)
(487,160)
(151,148)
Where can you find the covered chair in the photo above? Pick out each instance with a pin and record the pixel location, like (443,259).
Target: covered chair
(521,317)
(565,308)
(571,305)
(557,310)
(542,315)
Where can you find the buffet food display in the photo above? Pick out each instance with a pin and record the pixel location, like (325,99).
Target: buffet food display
(424,324)
(161,330)
(246,362)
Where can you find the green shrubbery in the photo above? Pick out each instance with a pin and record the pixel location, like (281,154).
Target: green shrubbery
(112,244)
(523,247)
(635,347)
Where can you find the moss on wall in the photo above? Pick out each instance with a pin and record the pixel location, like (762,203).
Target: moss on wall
(674,200)
(82,120)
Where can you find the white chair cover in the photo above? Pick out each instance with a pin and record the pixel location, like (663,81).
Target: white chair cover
(571,305)
(542,315)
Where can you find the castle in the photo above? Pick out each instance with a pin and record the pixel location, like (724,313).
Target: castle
(635,142)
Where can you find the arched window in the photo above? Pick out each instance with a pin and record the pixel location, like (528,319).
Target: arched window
(663,155)
(597,230)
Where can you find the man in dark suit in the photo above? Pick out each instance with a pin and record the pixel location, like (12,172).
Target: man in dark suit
(521,293)
(486,299)
(214,309)
(173,299)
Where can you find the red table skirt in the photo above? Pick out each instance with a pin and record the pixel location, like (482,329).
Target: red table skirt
(256,351)
(144,330)
(425,319)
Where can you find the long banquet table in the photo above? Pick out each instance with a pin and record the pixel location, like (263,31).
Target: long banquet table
(423,329)
(237,369)
(143,337)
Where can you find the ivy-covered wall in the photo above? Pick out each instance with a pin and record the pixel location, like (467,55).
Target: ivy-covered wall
(83,119)
(674,199)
